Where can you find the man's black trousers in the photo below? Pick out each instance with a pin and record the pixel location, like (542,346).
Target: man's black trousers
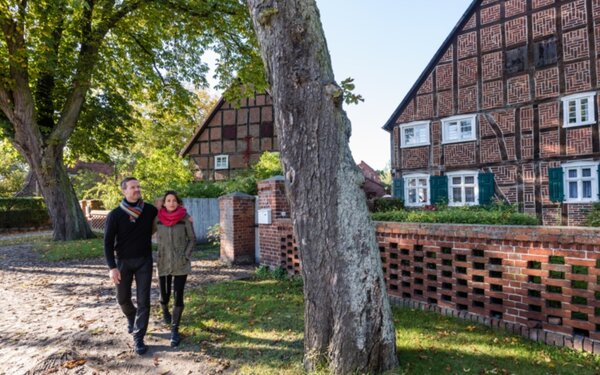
(139,269)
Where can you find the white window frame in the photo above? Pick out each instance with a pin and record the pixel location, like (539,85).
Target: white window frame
(579,165)
(416,176)
(462,185)
(576,99)
(446,122)
(415,125)
(221,162)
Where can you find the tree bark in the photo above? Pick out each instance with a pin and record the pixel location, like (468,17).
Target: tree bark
(348,323)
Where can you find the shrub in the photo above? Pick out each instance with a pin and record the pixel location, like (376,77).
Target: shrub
(387,204)
(23,213)
(592,219)
(213,234)
(494,214)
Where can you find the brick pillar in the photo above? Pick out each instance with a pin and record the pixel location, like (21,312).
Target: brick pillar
(277,245)
(237,228)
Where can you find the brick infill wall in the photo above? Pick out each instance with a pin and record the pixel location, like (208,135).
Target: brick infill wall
(539,282)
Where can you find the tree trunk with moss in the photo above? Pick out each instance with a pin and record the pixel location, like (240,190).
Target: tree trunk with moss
(348,322)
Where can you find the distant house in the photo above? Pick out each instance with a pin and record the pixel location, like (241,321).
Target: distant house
(232,138)
(507,109)
(372,187)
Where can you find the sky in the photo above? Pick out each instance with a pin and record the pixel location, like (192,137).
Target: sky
(384,45)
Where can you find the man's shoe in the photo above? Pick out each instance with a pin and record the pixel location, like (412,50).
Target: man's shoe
(139,346)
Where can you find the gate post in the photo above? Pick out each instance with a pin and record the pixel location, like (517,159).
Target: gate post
(237,228)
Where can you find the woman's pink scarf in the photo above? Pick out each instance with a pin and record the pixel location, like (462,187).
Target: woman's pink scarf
(171,218)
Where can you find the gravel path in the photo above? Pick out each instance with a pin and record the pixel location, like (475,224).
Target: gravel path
(62,318)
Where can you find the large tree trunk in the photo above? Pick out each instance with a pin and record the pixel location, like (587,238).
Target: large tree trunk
(46,163)
(348,321)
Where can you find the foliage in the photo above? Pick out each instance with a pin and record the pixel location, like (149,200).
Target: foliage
(279,273)
(13,169)
(84,181)
(213,234)
(348,87)
(83,67)
(233,321)
(81,249)
(385,176)
(107,190)
(592,218)
(495,214)
(160,171)
(387,204)
(268,165)
(22,203)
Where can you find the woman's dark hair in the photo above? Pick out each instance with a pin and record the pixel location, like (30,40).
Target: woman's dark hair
(173,193)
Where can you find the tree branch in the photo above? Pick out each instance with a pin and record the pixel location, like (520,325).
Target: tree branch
(149,53)
(88,55)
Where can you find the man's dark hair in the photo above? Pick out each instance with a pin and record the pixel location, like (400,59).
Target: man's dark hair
(126,180)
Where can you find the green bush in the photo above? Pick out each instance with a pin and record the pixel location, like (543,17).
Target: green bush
(493,215)
(387,204)
(23,213)
(592,218)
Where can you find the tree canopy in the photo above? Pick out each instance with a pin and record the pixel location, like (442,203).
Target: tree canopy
(74,72)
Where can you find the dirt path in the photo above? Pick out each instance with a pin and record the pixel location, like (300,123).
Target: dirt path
(57,315)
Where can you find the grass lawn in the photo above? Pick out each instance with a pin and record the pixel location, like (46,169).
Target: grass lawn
(257,325)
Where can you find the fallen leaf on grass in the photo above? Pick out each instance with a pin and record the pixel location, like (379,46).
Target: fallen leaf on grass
(74,363)
(156,360)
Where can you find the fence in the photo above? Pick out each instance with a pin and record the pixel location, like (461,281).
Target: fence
(204,211)
(540,282)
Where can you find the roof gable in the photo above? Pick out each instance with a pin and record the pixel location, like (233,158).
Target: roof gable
(201,129)
(425,80)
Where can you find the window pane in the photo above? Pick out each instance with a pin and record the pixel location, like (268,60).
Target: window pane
(422,182)
(422,195)
(412,196)
(572,173)
(452,130)
(465,129)
(584,111)
(586,172)
(469,180)
(572,189)
(469,194)
(587,189)
(455,180)
(456,194)
(421,136)
(409,134)
(412,182)
(572,112)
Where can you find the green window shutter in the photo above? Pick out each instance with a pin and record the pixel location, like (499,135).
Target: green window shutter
(555,183)
(598,177)
(398,188)
(439,189)
(486,187)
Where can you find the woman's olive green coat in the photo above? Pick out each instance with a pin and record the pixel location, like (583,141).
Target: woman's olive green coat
(175,245)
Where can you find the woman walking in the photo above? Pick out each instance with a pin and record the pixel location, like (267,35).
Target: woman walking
(176,240)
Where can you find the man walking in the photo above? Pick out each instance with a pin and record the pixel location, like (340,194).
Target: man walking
(128,232)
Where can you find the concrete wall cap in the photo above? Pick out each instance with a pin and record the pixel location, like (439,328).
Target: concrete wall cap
(237,195)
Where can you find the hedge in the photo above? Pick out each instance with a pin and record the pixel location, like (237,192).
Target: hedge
(23,213)
(459,215)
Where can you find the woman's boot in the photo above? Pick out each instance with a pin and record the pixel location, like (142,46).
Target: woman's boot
(175,338)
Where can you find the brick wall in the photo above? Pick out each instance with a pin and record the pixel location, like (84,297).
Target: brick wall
(539,282)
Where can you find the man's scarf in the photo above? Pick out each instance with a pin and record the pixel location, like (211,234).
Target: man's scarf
(171,218)
(133,211)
